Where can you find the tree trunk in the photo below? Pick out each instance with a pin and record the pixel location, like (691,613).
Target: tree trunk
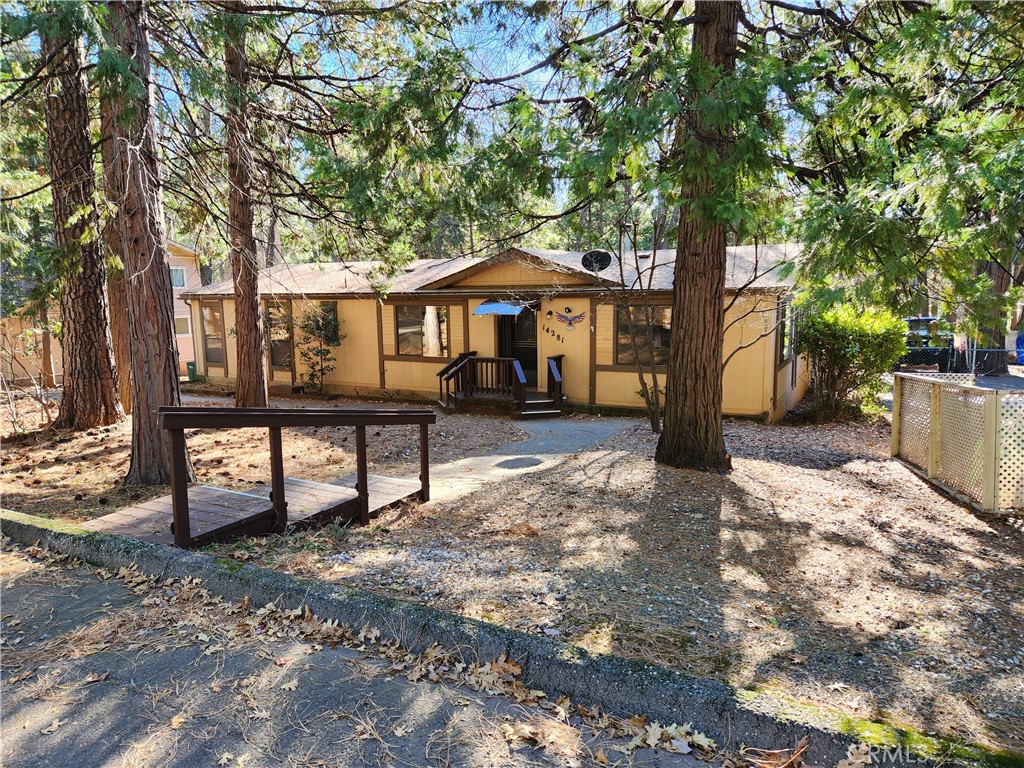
(117,294)
(90,378)
(251,376)
(154,353)
(49,380)
(692,428)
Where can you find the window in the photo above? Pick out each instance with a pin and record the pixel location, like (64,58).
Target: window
(329,310)
(422,330)
(279,333)
(786,330)
(181,326)
(647,350)
(177,277)
(213,333)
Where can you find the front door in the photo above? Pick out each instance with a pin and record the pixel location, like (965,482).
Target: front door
(517,337)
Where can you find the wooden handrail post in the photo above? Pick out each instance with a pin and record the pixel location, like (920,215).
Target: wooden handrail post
(362,483)
(179,490)
(990,452)
(935,431)
(897,412)
(277,481)
(424,464)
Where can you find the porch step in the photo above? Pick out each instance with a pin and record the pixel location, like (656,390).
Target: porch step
(546,414)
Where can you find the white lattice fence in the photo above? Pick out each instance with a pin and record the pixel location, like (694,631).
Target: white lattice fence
(914,418)
(1011,450)
(967,438)
(961,460)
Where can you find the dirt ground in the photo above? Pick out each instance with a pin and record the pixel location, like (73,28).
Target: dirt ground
(819,573)
(103,669)
(78,476)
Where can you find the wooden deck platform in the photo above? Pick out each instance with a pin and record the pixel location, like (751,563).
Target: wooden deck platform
(219,514)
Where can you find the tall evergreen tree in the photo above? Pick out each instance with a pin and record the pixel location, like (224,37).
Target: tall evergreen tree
(251,379)
(692,432)
(136,181)
(90,395)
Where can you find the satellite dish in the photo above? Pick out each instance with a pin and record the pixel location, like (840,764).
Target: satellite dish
(596,260)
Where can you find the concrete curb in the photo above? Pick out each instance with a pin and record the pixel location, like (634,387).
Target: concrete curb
(619,685)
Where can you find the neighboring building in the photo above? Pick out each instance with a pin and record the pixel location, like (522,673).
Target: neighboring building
(541,309)
(22,342)
(184,266)
(21,337)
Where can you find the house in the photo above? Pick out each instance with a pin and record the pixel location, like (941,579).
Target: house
(183,264)
(508,327)
(22,337)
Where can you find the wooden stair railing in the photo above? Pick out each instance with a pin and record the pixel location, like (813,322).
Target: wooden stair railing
(555,379)
(499,378)
(177,419)
(455,371)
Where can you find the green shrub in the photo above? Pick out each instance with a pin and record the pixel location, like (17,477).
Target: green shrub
(320,335)
(849,350)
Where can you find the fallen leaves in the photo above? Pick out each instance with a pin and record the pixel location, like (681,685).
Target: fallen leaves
(52,727)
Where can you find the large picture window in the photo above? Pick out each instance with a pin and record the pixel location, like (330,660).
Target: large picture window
(212,317)
(422,330)
(648,350)
(279,334)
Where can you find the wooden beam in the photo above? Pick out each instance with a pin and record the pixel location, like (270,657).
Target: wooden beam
(592,384)
(897,405)
(935,431)
(380,345)
(277,492)
(424,464)
(990,453)
(362,488)
(179,490)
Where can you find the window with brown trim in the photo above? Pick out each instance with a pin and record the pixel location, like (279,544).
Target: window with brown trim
(648,350)
(421,330)
(212,319)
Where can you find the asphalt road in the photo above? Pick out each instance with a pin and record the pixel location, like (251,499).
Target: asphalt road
(105,671)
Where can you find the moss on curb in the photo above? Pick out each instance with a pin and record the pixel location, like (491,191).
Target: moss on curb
(877,734)
(49,524)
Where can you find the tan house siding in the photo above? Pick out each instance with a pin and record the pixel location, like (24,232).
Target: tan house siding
(369,363)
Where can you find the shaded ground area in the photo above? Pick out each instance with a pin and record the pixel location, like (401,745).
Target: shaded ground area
(819,570)
(77,475)
(116,669)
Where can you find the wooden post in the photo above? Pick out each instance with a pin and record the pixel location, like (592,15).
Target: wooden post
(935,431)
(424,464)
(362,487)
(277,481)
(179,490)
(897,403)
(990,453)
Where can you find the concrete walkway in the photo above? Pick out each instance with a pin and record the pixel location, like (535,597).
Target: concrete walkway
(549,443)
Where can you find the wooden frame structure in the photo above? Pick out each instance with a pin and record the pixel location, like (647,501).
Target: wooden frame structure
(177,419)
